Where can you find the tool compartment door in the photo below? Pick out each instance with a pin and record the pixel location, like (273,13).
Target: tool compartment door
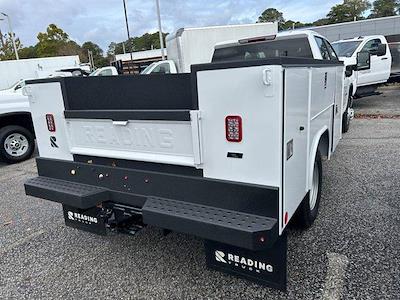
(295,143)
(254,93)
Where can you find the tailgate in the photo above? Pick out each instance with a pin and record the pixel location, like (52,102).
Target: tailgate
(170,137)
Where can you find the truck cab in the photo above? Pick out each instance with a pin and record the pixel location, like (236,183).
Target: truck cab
(364,81)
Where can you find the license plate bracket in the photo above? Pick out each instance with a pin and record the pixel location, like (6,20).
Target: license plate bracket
(90,220)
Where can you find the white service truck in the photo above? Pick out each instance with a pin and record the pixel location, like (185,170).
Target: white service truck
(375,53)
(189,46)
(230,152)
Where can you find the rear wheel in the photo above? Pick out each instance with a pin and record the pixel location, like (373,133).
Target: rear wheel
(346,120)
(308,209)
(16,144)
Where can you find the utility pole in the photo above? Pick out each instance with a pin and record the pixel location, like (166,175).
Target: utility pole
(129,36)
(159,30)
(12,34)
(2,40)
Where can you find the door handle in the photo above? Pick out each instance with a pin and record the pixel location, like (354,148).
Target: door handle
(267,77)
(384,58)
(120,123)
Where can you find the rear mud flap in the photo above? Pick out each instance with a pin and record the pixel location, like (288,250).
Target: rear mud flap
(265,267)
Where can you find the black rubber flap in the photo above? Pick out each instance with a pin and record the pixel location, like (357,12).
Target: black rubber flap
(267,267)
(66,192)
(227,226)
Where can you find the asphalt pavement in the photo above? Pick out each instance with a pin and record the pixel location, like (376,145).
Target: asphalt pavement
(351,252)
(385,104)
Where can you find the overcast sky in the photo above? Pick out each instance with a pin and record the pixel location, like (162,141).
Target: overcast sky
(102,21)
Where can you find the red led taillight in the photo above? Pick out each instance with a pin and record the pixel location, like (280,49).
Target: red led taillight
(233,128)
(51,125)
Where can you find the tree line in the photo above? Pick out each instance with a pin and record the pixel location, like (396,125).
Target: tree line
(349,10)
(56,42)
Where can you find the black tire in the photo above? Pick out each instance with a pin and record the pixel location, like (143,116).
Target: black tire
(305,216)
(8,131)
(345,121)
(346,118)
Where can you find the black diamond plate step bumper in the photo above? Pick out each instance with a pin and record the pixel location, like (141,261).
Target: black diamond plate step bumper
(66,192)
(226,226)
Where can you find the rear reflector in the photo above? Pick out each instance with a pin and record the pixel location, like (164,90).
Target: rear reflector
(51,125)
(233,128)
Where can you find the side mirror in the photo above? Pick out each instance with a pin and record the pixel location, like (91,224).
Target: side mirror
(349,70)
(363,61)
(381,51)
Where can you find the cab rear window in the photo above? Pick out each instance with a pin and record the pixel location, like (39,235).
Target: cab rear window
(296,47)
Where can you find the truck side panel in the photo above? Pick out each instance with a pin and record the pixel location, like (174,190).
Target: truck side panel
(49,96)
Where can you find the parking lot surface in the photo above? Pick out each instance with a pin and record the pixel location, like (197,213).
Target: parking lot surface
(351,252)
(386,104)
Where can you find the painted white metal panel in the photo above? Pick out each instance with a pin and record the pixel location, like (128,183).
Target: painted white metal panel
(296,135)
(168,142)
(339,107)
(46,98)
(242,91)
(323,90)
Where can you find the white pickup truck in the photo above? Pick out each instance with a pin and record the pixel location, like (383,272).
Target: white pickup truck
(230,152)
(378,64)
(17,137)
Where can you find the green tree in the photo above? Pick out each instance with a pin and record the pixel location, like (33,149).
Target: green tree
(7,48)
(97,52)
(289,24)
(272,15)
(348,11)
(321,22)
(384,8)
(147,41)
(28,52)
(69,48)
(51,41)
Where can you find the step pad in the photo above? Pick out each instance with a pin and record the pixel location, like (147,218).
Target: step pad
(227,226)
(70,193)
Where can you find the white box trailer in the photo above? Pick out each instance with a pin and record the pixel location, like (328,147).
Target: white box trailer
(188,46)
(12,71)
(230,152)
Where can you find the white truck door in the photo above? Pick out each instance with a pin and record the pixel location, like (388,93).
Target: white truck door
(380,65)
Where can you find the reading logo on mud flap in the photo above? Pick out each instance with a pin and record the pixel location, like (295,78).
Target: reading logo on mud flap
(81,218)
(242,262)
